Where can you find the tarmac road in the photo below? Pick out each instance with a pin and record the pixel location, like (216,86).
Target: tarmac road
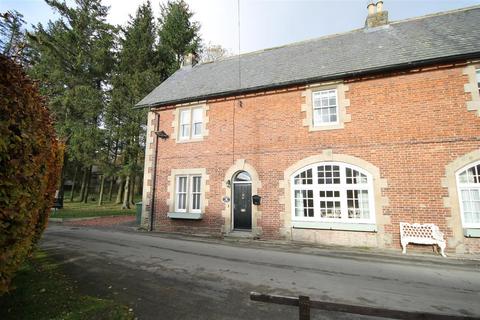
(170,277)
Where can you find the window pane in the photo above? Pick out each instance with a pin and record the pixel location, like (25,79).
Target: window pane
(478,79)
(475,172)
(328,174)
(355,177)
(303,203)
(182,184)
(181,193)
(185,131)
(462,177)
(196,202)
(325,108)
(185,116)
(185,123)
(357,202)
(197,116)
(196,183)
(304,177)
(243,176)
(471,205)
(196,192)
(470,175)
(197,129)
(330,204)
(182,201)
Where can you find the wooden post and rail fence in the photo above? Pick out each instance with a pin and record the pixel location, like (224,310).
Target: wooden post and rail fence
(304,305)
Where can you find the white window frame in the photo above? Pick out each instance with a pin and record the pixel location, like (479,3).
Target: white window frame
(181,124)
(189,193)
(469,186)
(314,108)
(193,135)
(477,72)
(199,193)
(191,124)
(342,187)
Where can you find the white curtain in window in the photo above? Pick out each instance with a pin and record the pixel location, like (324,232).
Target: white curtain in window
(196,192)
(185,123)
(468,180)
(197,116)
(181,198)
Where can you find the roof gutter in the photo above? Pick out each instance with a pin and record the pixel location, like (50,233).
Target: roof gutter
(335,76)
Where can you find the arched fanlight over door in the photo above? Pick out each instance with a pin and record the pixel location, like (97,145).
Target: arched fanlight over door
(242,176)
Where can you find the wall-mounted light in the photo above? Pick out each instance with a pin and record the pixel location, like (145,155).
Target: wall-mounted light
(228,183)
(162,135)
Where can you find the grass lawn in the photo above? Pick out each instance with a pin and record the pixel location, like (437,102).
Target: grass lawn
(44,292)
(91,209)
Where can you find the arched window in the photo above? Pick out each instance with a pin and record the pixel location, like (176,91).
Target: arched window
(468,182)
(332,192)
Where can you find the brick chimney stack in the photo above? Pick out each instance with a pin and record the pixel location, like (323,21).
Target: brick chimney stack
(376,16)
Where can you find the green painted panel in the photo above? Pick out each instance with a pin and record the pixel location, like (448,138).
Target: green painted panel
(471,233)
(185,215)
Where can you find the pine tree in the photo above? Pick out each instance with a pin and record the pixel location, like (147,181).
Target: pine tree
(12,35)
(179,35)
(73,60)
(138,71)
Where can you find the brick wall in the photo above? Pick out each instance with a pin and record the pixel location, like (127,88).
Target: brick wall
(408,125)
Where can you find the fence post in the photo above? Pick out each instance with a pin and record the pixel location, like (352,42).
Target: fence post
(304,308)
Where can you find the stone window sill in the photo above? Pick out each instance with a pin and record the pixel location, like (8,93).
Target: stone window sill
(471,233)
(363,227)
(185,215)
(199,139)
(326,127)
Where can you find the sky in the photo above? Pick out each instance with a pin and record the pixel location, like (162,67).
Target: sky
(263,23)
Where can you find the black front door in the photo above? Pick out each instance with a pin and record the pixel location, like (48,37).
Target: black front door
(242,206)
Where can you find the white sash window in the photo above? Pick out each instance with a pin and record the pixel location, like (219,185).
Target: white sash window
(188,193)
(190,123)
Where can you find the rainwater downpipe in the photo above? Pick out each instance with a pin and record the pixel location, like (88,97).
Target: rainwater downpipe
(154,173)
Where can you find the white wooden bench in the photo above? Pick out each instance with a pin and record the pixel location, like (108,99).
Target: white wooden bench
(421,234)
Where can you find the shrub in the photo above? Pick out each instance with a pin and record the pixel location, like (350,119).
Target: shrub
(30,161)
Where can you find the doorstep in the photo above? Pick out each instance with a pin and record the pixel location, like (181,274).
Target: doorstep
(240,234)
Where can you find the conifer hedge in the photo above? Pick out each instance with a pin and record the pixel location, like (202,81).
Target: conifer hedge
(30,162)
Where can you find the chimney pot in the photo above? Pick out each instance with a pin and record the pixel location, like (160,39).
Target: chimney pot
(376,16)
(379,6)
(371,9)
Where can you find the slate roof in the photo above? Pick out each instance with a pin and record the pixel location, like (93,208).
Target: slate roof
(434,38)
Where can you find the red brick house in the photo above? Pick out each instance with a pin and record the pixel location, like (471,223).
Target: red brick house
(334,140)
